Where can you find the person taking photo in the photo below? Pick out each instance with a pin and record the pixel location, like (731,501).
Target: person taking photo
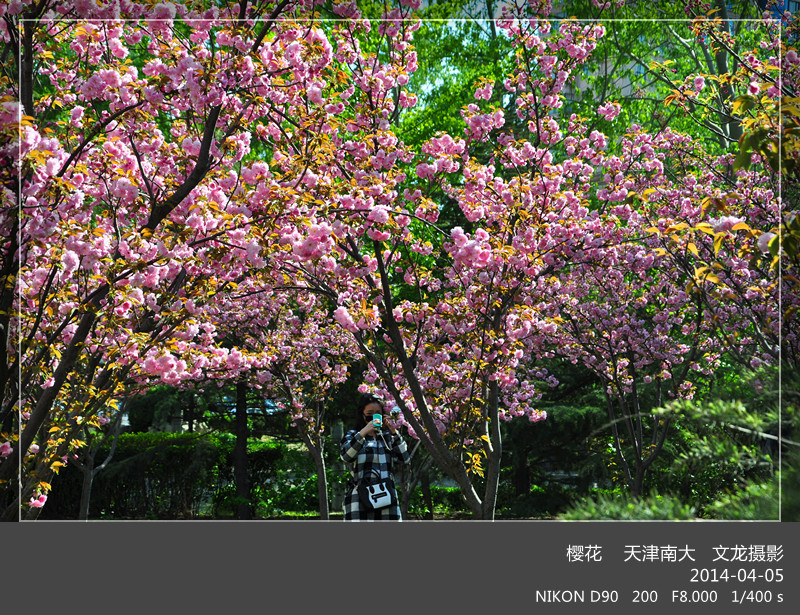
(372,449)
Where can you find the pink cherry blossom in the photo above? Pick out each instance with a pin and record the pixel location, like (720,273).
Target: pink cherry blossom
(699,83)
(343,317)
(610,110)
(38,502)
(315,94)
(764,240)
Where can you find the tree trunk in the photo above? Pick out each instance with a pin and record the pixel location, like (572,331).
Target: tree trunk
(26,72)
(721,57)
(240,473)
(521,471)
(427,496)
(86,489)
(8,469)
(316,449)
(409,476)
(90,471)
(322,482)
(339,467)
(190,412)
(489,502)
(493,455)
(425,426)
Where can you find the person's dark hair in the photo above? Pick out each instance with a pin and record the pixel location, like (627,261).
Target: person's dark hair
(365,400)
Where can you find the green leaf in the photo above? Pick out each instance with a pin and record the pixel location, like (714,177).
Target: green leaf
(742,160)
(744,103)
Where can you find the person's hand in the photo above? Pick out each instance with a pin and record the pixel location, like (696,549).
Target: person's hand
(368,430)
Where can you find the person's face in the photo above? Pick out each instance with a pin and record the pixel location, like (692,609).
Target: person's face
(370,409)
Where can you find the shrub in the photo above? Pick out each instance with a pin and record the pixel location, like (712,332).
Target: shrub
(151,476)
(158,475)
(757,501)
(446,500)
(790,478)
(541,501)
(292,485)
(617,506)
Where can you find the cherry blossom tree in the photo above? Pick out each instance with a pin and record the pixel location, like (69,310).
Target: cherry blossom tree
(224,194)
(715,220)
(637,312)
(564,259)
(446,317)
(292,352)
(141,196)
(317,359)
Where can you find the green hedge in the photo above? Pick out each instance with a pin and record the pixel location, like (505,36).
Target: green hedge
(750,501)
(161,476)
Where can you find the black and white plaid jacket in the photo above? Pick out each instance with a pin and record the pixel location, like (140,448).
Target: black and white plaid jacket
(364,455)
